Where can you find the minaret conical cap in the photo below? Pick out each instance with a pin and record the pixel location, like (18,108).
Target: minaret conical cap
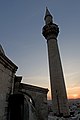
(48,17)
(47,13)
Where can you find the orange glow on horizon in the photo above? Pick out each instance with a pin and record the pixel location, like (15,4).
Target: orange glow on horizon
(72,93)
(74,96)
(71,96)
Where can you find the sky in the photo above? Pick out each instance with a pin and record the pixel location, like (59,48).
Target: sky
(21,23)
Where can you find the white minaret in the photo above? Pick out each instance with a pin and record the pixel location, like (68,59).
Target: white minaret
(58,89)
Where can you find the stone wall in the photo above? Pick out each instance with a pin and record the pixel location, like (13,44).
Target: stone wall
(7,74)
(38,96)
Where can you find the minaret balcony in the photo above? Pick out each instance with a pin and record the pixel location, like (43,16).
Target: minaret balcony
(50,31)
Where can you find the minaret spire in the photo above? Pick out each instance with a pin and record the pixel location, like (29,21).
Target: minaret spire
(48,17)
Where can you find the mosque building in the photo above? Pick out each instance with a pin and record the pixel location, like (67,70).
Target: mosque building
(19,101)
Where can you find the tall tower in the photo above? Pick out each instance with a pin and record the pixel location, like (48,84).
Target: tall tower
(58,90)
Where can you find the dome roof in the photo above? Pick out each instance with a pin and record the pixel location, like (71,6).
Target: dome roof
(1,50)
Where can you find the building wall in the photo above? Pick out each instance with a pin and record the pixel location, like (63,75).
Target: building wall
(7,74)
(39,97)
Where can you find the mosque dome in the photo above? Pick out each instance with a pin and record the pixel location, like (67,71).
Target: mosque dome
(1,50)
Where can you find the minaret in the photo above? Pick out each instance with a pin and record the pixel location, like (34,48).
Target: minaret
(58,89)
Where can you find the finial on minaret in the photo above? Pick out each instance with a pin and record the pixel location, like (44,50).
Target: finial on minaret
(48,17)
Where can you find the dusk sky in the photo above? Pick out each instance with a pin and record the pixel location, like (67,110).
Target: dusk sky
(21,23)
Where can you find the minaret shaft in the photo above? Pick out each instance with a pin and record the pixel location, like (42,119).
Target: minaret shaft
(58,89)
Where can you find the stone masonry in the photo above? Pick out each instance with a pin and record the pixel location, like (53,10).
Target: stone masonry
(38,96)
(7,74)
